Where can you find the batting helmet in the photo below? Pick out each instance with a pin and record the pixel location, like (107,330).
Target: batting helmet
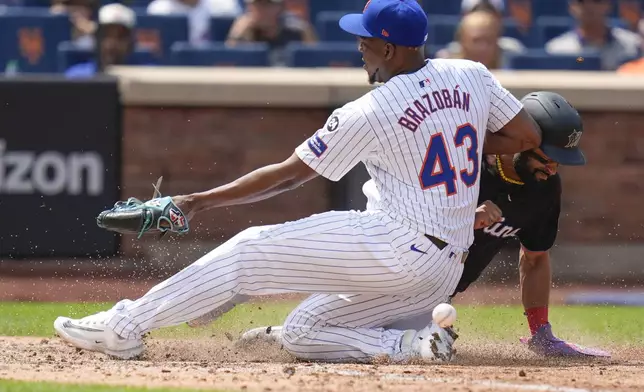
(561,126)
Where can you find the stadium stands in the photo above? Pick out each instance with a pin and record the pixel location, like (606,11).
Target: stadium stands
(555,8)
(33,40)
(325,54)
(217,54)
(550,8)
(442,7)
(539,59)
(317,7)
(30,38)
(531,38)
(69,54)
(219,27)
(159,32)
(552,26)
(326,25)
(442,28)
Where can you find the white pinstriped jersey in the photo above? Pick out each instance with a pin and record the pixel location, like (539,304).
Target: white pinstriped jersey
(420,136)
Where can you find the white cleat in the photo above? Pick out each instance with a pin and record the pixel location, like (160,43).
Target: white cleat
(431,343)
(91,333)
(271,335)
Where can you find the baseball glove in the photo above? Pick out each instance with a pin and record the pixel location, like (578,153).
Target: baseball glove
(134,216)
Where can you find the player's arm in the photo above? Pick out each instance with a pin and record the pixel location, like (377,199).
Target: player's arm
(331,152)
(519,134)
(257,185)
(536,276)
(535,279)
(534,259)
(510,128)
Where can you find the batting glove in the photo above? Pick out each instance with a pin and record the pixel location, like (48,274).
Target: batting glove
(544,343)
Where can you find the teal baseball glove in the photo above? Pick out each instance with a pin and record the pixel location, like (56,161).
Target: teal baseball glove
(134,216)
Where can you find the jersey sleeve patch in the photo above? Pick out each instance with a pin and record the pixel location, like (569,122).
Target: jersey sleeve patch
(317,146)
(337,146)
(332,124)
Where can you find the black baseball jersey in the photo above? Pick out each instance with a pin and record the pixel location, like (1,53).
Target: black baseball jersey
(531,214)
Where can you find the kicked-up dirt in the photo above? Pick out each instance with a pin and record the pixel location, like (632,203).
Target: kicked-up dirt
(218,364)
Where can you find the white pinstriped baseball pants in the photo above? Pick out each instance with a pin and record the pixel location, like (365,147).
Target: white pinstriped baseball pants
(338,252)
(339,328)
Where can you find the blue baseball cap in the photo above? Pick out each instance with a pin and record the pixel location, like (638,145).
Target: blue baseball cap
(400,22)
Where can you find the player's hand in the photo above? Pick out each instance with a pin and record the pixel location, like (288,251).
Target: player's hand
(186,204)
(487,214)
(544,343)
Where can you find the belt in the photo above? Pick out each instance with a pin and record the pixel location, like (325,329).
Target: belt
(440,244)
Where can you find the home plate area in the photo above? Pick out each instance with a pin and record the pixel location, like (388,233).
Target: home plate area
(216,363)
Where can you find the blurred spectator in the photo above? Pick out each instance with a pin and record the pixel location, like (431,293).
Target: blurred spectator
(114,38)
(81,14)
(593,33)
(468,6)
(635,66)
(224,8)
(478,40)
(495,8)
(196,10)
(268,21)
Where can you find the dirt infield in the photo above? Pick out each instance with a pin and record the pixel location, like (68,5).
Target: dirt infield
(216,363)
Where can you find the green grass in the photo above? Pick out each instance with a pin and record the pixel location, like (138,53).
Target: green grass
(24,386)
(36,319)
(582,324)
(585,324)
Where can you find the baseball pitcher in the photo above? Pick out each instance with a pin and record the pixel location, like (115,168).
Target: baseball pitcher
(421,134)
(520,198)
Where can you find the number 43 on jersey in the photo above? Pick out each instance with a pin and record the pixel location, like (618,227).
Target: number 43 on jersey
(438,168)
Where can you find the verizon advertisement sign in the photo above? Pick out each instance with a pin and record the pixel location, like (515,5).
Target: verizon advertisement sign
(50,172)
(59,167)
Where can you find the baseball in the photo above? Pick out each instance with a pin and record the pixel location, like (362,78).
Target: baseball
(444,315)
